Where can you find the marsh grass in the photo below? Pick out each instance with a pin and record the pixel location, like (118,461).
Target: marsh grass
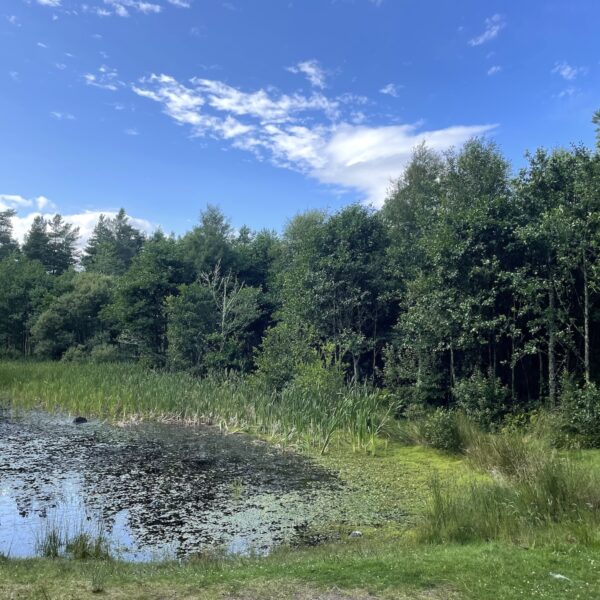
(85,546)
(529,492)
(54,541)
(298,415)
(50,541)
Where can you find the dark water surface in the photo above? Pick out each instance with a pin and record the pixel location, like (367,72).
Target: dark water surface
(157,491)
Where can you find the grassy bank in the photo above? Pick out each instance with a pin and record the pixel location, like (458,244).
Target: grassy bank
(370,567)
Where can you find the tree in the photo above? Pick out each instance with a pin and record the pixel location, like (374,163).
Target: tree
(139,307)
(25,284)
(8,245)
(113,245)
(53,243)
(210,243)
(75,318)
(210,323)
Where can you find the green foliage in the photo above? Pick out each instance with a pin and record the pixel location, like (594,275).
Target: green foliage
(580,414)
(8,245)
(113,245)
(440,429)
(73,319)
(482,397)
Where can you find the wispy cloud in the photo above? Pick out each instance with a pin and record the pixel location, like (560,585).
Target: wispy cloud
(131,131)
(13,20)
(180,3)
(312,70)
(494,70)
(52,3)
(391,89)
(493,26)
(568,72)
(62,116)
(106,79)
(311,134)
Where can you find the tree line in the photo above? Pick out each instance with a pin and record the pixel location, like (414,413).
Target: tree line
(472,286)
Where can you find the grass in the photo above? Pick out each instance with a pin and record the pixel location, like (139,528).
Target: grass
(373,566)
(532,492)
(312,418)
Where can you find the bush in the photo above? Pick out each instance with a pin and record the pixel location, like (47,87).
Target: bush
(105,353)
(75,354)
(441,429)
(580,414)
(482,397)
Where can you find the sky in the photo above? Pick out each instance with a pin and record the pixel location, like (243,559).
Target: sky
(267,108)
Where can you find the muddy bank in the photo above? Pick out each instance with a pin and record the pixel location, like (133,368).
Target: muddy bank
(156,490)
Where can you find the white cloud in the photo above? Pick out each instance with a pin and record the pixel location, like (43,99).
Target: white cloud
(121,7)
(52,3)
(13,20)
(106,79)
(41,45)
(312,71)
(391,89)
(180,3)
(14,75)
(13,201)
(306,134)
(131,131)
(62,116)
(568,72)
(493,26)
(494,70)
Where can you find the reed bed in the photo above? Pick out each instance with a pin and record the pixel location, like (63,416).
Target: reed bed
(128,392)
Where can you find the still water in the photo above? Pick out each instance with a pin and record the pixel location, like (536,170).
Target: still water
(155,491)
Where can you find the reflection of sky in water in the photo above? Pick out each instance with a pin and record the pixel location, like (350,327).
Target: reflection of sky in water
(155,492)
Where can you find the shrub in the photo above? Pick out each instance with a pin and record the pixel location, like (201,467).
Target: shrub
(482,397)
(580,414)
(104,353)
(75,354)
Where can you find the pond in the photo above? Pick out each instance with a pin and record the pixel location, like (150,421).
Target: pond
(155,491)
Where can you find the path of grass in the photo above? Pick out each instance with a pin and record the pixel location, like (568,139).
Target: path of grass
(364,568)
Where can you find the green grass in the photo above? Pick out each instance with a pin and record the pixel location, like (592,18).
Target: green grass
(310,418)
(378,565)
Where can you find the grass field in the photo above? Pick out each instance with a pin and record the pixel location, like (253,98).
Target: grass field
(553,551)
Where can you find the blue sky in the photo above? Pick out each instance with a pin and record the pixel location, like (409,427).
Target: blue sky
(271,107)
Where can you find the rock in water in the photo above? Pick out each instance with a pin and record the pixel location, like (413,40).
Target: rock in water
(79,420)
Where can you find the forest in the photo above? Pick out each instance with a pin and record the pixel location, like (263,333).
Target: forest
(473,287)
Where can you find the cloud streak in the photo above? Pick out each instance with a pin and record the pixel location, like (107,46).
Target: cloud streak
(493,26)
(312,134)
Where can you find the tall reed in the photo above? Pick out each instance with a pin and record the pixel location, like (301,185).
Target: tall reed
(123,392)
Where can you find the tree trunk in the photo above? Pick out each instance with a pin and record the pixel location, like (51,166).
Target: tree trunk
(586,320)
(551,347)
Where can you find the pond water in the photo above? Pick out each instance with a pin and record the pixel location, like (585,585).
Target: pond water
(155,491)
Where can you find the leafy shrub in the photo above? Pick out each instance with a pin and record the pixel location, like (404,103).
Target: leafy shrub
(105,353)
(580,414)
(75,354)
(439,429)
(482,397)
